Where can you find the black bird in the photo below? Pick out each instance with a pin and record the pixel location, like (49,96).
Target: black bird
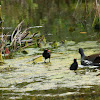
(74,65)
(46,54)
(93,59)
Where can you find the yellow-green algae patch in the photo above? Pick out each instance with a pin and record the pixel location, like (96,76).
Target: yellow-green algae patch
(22,75)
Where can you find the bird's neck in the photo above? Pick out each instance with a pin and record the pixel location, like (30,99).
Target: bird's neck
(82,56)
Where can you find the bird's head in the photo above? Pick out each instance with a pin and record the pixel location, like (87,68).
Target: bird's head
(75,59)
(45,50)
(80,50)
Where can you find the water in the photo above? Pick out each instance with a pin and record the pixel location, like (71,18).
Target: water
(23,78)
(59,19)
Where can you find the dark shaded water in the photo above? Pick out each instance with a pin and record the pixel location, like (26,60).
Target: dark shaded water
(56,17)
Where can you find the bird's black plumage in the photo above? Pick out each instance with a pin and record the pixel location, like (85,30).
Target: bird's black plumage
(74,65)
(46,54)
(89,60)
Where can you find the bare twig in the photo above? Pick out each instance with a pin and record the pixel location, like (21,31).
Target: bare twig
(16,32)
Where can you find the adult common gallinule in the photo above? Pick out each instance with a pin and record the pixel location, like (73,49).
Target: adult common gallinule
(74,65)
(46,54)
(89,60)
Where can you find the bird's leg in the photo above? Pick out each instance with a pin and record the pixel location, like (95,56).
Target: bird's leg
(45,61)
(49,59)
(75,72)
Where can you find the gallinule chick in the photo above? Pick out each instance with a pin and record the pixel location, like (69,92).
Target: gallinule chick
(74,65)
(46,54)
(89,60)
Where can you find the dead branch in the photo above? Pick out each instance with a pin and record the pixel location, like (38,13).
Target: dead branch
(18,37)
(16,32)
(33,35)
(28,41)
(28,45)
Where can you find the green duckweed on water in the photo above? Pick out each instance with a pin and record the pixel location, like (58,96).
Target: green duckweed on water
(21,78)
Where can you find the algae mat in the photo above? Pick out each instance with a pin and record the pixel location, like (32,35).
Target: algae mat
(29,77)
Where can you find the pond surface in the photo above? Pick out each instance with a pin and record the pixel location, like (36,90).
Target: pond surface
(28,79)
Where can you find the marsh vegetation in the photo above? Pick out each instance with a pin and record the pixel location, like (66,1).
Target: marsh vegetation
(65,26)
